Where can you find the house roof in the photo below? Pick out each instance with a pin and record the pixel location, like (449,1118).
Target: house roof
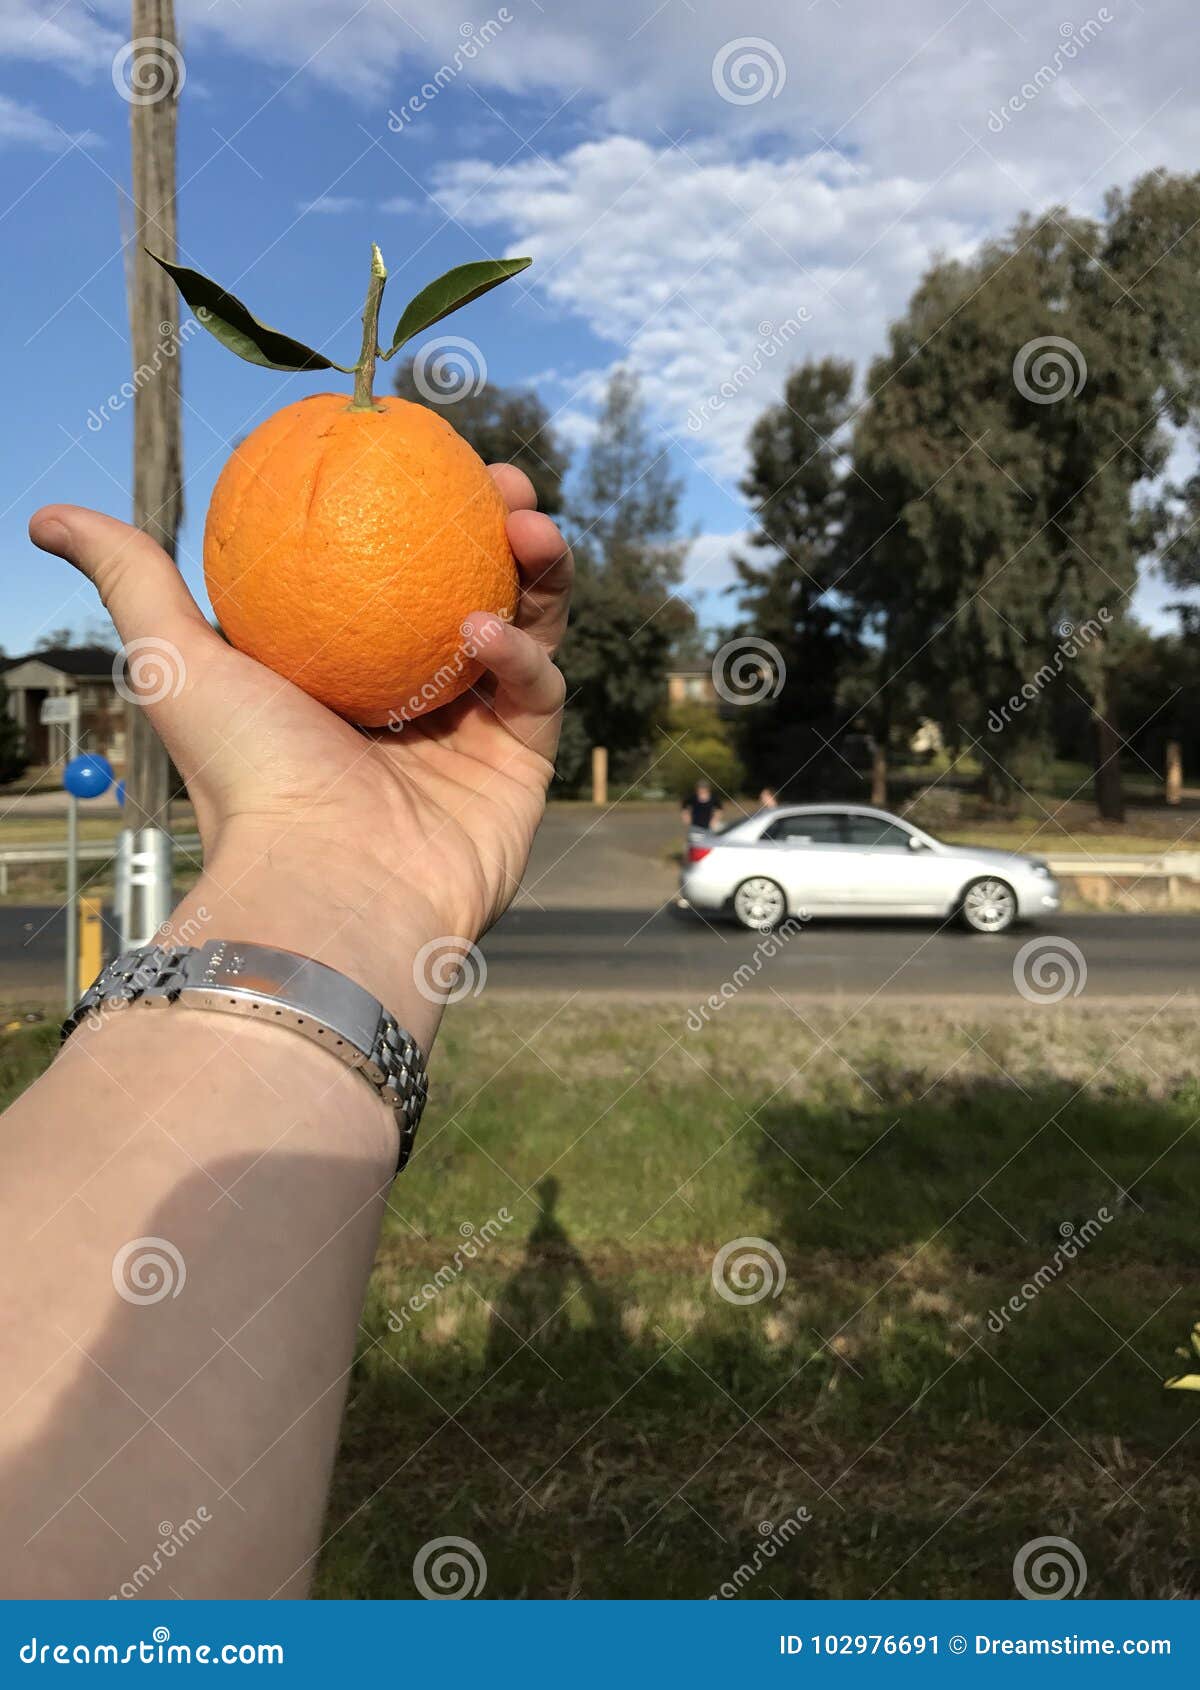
(86,661)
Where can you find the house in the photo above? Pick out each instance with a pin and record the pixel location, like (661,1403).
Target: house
(691,686)
(85,670)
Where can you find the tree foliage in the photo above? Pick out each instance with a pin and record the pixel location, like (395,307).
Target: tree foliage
(625,619)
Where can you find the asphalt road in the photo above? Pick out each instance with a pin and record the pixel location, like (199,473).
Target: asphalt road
(620,951)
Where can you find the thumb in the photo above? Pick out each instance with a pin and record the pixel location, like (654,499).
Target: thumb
(161,627)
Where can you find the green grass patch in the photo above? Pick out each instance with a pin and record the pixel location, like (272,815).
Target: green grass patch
(989,1225)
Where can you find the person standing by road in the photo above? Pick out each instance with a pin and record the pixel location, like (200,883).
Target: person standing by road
(701,809)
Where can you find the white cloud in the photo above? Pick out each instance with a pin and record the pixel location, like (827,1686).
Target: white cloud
(23,126)
(330,205)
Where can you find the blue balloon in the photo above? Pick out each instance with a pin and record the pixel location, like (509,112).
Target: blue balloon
(89,776)
(120,793)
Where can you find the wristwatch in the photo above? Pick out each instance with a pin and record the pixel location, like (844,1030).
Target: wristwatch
(277,987)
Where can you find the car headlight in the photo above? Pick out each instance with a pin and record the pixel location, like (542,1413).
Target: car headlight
(1040,868)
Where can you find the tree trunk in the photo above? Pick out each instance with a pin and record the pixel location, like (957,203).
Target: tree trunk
(154,326)
(1110,801)
(879,774)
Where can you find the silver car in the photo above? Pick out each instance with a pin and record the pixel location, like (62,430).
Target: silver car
(848,860)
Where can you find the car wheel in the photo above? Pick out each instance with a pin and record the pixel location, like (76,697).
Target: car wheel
(989,906)
(760,903)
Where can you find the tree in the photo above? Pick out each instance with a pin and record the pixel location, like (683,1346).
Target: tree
(625,618)
(1008,426)
(504,426)
(12,742)
(797,483)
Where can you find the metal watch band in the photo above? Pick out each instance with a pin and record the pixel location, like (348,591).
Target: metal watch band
(277,986)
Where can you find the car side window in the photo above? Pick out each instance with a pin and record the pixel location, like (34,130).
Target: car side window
(876,834)
(820,828)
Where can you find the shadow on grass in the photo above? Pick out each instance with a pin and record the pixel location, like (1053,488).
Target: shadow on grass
(982,1295)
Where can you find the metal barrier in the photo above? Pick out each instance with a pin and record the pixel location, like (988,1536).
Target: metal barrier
(90,851)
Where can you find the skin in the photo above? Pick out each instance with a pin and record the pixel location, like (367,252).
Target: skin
(262,1162)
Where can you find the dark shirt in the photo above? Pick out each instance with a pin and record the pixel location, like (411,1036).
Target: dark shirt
(701,811)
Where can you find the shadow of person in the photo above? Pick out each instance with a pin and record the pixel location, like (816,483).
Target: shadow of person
(541,1304)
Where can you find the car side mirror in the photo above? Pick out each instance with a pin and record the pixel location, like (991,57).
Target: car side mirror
(915,844)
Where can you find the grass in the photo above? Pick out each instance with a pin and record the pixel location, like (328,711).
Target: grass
(579,1402)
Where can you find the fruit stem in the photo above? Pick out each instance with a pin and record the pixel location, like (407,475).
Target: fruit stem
(364,370)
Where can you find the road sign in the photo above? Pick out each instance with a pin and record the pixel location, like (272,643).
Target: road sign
(58,711)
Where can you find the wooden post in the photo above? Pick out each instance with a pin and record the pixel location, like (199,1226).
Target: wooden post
(599,774)
(879,774)
(1174,775)
(155,74)
(91,941)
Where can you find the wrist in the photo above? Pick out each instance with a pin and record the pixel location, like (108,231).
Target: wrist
(318,908)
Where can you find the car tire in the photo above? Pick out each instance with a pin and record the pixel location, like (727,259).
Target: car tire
(988,905)
(759,904)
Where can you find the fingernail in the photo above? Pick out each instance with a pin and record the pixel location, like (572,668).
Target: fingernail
(52,536)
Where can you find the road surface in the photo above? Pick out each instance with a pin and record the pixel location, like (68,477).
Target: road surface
(635,952)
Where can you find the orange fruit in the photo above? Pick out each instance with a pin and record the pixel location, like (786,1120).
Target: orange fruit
(344,547)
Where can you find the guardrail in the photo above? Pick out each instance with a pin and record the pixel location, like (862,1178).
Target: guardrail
(1181,865)
(90,851)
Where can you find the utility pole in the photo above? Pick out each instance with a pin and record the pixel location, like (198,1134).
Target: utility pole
(155,78)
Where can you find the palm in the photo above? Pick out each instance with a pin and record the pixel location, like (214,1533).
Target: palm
(447,805)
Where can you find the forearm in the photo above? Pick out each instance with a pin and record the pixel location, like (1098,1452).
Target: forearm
(263,1165)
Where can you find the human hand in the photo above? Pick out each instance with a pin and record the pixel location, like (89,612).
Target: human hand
(357,848)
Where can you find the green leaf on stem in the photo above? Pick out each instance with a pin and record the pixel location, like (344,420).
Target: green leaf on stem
(234,326)
(457,287)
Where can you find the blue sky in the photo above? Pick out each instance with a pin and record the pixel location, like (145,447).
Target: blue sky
(703,186)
